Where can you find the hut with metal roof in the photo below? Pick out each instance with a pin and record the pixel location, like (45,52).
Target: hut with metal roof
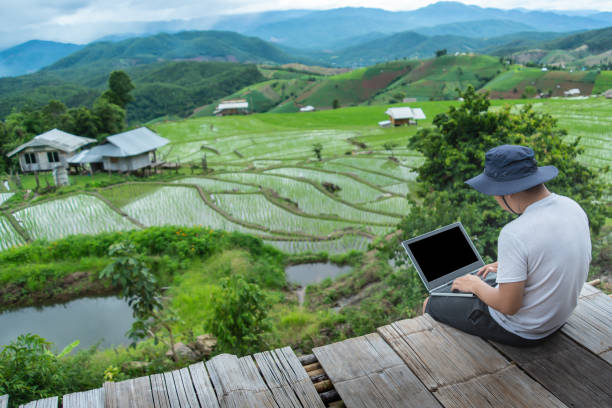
(232,107)
(123,152)
(49,150)
(404,115)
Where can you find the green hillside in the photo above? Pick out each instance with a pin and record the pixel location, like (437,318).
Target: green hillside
(166,88)
(356,86)
(438,78)
(514,83)
(186,45)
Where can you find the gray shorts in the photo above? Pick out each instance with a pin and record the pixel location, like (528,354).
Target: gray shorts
(471,315)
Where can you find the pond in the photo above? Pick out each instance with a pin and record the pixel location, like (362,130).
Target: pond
(306,274)
(88,320)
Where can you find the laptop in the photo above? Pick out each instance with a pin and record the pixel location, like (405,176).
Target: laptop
(443,255)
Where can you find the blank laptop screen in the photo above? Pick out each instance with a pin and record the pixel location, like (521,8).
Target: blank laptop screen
(443,253)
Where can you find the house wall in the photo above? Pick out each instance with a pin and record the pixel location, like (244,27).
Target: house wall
(42,162)
(127,163)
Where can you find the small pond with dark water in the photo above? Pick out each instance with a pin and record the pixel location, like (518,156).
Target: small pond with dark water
(307,274)
(88,320)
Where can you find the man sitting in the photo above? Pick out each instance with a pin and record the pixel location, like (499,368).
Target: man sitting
(543,257)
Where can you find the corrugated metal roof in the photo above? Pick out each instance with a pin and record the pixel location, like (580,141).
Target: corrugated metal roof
(92,155)
(134,142)
(232,105)
(418,113)
(405,113)
(400,113)
(57,139)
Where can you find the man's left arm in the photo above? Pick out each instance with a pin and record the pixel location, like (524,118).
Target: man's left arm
(506,298)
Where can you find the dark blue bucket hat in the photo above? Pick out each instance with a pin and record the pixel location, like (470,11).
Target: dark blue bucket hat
(510,169)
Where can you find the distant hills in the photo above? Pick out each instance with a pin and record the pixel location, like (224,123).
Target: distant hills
(321,29)
(310,36)
(33,55)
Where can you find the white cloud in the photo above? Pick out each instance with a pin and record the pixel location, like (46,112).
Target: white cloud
(82,21)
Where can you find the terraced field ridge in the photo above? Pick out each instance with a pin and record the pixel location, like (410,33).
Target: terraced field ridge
(265,180)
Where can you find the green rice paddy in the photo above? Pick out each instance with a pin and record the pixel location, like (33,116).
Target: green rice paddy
(266,181)
(79,214)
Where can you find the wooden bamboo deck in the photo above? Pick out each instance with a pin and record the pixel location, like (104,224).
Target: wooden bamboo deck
(410,363)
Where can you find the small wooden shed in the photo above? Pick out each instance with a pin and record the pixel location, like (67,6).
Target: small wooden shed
(232,107)
(404,115)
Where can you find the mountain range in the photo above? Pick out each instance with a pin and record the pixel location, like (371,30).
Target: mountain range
(331,37)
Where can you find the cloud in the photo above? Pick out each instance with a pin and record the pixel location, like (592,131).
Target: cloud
(82,21)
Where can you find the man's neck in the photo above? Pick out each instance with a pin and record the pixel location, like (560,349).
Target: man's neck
(526,199)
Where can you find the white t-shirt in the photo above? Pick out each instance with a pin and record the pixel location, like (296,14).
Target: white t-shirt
(549,247)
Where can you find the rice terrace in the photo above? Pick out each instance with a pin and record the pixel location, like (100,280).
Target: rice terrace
(212,210)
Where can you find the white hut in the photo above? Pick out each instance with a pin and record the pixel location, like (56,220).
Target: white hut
(49,150)
(127,151)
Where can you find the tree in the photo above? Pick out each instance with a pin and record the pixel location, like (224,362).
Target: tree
(317,148)
(239,316)
(454,152)
(119,88)
(140,289)
(335,104)
(110,117)
(441,52)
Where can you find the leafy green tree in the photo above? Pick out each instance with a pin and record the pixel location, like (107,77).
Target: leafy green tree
(239,316)
(111,117)
(335,103)
(140,289)
(119,88)
(317,148)
(30,371)
(440,53)
(454,151)
(82,122)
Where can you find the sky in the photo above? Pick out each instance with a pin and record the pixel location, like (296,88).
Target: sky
(82,21)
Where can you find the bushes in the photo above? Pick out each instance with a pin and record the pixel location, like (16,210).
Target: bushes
(29,371)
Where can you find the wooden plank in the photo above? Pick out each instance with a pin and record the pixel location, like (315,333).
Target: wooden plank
(90,399)
(438,356)
(180,389)
(190,392)
(172,391)
(134,393)
(237,382)
(158,389)
(201,382)
(287,379)
(48,403)
(42,403)
(4,401)
(110,395)
(366,372)
(591,324)
(588,290)
(573,374)
(184,389)
(462,370)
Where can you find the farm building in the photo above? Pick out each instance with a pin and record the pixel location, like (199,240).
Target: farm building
(49,150)
(232,107)
(127,151)
(608,94)
(308,108)
(572,92)
(404,115)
